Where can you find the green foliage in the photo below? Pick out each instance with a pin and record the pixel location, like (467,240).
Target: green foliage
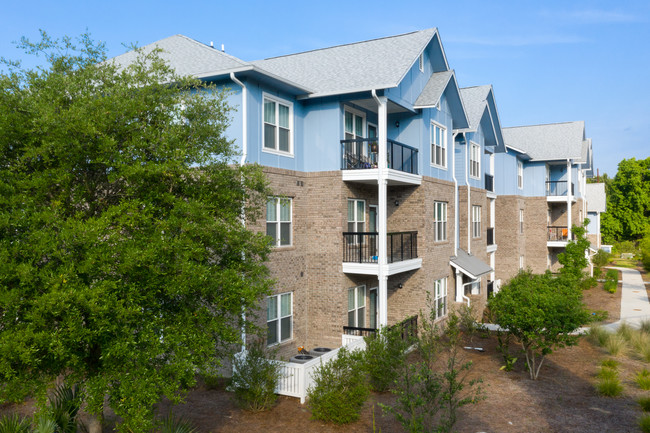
(170,424)
(431,389)
(14,424)
(503,346)
(644,402)
(588,283)
(124,264)
(610,363)
(65,403)
(609,387)
(598,315)
(643,379)
(644,424)
(573,258)
(598,335)
(541,312)
(601,258)
(611,280)
(625,331)
(616,344)
(384,356)
(598,273)
(645,326)
(607,373)
(644,246)
(339,389)
(628,202)
(255,377)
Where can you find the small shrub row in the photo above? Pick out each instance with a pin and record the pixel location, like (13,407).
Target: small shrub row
(611,280)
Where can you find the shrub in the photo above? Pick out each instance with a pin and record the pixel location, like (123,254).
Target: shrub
(176,425)
(644,402)
(612,274)
(606,373)
(610,387)
(14,424)
(601,258)
(384,355)
(610,363)
(598,335)
(65,403)
(255,377)
(598,273)
(639,341)
(645,326)
(615,344)
(625,331)
(339,389)
(643,379)
(644,423)
(588,283)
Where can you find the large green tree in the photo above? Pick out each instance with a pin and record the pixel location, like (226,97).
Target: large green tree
(124,262)
(628,202)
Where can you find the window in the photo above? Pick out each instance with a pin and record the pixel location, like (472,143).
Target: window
(421,62)
(356,215)
(440,298)
(357,307)
(475,161)
(353,124)
(520,174)
(279,318)
(476,221)
(278,220)
(521,220)
(438,145)
(278,120)
(439,221)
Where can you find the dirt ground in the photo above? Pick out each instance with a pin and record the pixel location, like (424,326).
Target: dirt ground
(562,400)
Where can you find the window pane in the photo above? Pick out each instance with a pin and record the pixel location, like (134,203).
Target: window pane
(285,233)
(285,305)
(361,210)
(272,336)
(271,210)
(272,308)
(283,116)
(361,296)
(269,136)
(361,318)
(283,140)
(349,128)
(285,209)
(285,328)
(272,230)
(350,210)
(358,126)
(351,318)
(269,111)
(351,228)
(350,299)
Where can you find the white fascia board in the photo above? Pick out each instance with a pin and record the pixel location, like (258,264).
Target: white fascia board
(346,91)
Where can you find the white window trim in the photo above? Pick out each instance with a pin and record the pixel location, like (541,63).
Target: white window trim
(277,100)
(444,164)
(358,221)
(280,317)
(436,221)
(476,221)
(278,221)
(521,262)
(357,307)
(364,122)
(442,285)
(473,146)
(520,174)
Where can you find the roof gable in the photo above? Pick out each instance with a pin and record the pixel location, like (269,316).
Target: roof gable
(444,83)
(550,142)
(481,111)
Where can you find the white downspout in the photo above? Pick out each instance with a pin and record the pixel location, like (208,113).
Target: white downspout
(569,197)
(453,176)
(469,204)
(244,155)
(382,223)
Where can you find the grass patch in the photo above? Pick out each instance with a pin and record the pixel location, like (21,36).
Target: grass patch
(606,373)
(645,326)
(598,335)
(643,379)
(610,363)
(625,331)
(616,344)
(644,402)
(644,423)
(609,387)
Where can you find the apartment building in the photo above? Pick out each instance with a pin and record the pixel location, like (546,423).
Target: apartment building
(395,191)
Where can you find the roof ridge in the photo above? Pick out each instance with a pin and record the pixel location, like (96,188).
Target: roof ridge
(211,48)
(545,124)
(346,45)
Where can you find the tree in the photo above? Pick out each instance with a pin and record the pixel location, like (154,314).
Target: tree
(124,262)
(541,312)
(574,259)
(628,202)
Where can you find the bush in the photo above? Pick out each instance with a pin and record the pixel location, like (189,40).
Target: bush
(601,258)
(588,283)
(598,335)
(615,344)
(384,356)
(610,286)
(610,387)
(606,373)
(625,331)
(644,402)
(645,326)
(14,424)
(255,377)
(643,379)
(339,389)
(610,363)
(173,425)
(644,423)
(612,274)
(598,273)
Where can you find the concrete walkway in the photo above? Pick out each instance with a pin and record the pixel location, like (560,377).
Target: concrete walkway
(635,307)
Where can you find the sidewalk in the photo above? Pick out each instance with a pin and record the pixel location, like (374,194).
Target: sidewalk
(635,307)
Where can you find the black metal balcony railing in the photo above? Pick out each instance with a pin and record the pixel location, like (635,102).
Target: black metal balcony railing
(490,236)
(363,153)
(408,328)
(558,188)
(558,233)
(489,182)
(363,247)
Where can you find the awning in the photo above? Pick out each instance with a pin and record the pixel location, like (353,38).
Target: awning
(470,265)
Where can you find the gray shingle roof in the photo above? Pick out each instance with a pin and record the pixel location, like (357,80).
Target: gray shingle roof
(470,265)
(375,64)
(596,197)
(475,100)
(434,89)
(188,57)
(555,141)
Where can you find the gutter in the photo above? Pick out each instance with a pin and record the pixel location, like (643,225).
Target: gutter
(453,172)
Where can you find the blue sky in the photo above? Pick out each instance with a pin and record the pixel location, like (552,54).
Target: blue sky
(551,61)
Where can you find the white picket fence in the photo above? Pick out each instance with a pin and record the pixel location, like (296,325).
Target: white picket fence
(297,378)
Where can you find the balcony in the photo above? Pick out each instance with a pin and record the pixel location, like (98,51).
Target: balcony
(489,182)
(557,236)
(360,161)
(361,249)
(408,329)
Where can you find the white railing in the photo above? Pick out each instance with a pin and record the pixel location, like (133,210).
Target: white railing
(296,378)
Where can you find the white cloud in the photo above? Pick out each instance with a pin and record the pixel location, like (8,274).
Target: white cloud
(595,16)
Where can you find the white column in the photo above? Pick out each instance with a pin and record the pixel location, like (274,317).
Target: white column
(382,223)
(569,198)
(459,286)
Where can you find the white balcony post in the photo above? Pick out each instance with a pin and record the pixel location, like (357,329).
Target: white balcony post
(382,223)
(569,198)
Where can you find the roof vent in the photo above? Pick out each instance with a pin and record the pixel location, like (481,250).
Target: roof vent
(211,44)
(223,48)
